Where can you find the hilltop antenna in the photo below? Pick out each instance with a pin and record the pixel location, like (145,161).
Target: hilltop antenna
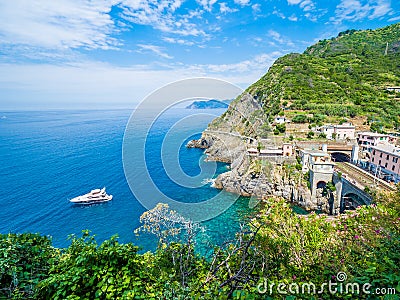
(386,50)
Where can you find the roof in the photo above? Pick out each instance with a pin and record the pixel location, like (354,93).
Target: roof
(344,125)
(313,152)
(271,151)
(388,149)
(372,134)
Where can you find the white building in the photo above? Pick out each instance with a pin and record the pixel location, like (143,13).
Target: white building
(281,120)
(368,139)
(339,132)
(311,157)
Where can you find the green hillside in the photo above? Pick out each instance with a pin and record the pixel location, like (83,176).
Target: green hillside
(345,76)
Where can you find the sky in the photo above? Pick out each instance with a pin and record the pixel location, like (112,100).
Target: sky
(111,54)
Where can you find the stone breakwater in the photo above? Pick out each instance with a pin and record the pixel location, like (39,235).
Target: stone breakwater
(251,176)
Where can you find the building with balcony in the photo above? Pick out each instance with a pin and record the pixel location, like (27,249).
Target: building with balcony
(385,160)
(368,139)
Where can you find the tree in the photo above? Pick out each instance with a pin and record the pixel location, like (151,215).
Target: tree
(25,260)
(300,119)
(176,239)
(167,225)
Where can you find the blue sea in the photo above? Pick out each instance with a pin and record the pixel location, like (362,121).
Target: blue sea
(49,157)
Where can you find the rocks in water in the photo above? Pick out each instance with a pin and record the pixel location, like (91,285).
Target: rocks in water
(249,176)
(200,143)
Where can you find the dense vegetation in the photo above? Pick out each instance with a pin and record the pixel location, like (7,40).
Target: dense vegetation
(345,76)
(276,245)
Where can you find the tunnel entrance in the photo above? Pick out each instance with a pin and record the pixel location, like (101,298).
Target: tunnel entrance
(340,157)
(351,201)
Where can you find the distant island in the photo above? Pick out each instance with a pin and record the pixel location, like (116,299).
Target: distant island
(207,104)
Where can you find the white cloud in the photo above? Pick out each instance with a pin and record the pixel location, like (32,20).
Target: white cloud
(379,9)
(61,24)
(256,8)
(355,10)
(223,8)
(242,2)
(275,36)
(279,14)
(155,49)
(207,4)
(307,5)
(394,19)
(94,84)
(177,41)
(160,14)
(49,27)
(293,18)
(258,63)
(293,2)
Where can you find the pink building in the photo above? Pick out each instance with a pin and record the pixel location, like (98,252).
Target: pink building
(339,132)
(386,157)
(287,149)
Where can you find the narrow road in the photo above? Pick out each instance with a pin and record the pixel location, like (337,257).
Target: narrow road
(229,133)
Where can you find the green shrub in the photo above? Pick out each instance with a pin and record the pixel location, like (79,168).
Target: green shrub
(300,119)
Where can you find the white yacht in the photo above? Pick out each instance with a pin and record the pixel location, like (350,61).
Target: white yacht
(94,196)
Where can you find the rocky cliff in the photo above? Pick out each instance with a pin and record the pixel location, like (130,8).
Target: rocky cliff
(345,76)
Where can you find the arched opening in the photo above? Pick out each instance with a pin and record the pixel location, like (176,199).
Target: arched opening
(321,185)
(340,157)
(351,201)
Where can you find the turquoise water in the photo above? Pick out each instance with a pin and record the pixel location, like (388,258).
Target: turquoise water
(48,157)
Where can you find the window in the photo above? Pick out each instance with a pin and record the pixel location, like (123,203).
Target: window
(373,159)
(393,168)
(380,162)
(387,157)
(395,159)
(380,155)
(373,152)
(385,165)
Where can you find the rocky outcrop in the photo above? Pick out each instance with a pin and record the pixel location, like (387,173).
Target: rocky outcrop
(245,180)
(226,140)
(200,143)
